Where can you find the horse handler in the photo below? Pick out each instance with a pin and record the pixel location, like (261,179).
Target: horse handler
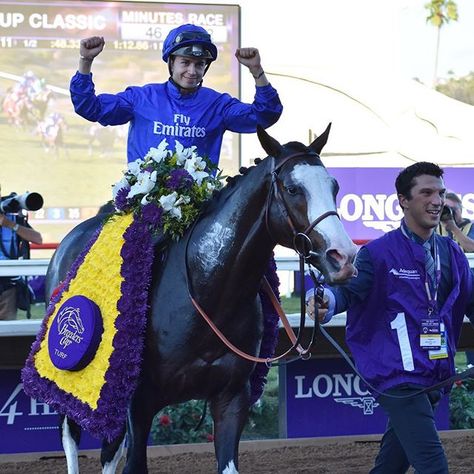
(404,315)
(180,109)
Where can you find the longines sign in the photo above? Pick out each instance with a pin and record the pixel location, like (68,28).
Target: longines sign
(323,397)
(367,200)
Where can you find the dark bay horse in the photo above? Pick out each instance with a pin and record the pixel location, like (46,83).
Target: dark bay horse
(224,257)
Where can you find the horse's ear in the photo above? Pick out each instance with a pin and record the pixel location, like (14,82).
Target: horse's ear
(319,143)
(269,144)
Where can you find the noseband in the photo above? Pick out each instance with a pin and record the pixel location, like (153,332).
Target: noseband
(302,244)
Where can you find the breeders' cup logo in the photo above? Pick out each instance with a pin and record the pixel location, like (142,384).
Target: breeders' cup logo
(70,326)
(343,388)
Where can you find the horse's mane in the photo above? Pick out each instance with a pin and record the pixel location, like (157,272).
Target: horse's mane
(230,187)
(232,181)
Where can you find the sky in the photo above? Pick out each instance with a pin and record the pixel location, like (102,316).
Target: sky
(456,42)
(380,36)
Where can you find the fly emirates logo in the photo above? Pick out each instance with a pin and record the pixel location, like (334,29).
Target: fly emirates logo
(179,128)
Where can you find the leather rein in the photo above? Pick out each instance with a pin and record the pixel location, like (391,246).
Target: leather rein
(303,246)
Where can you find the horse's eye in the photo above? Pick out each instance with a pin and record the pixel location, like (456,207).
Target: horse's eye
(291,190)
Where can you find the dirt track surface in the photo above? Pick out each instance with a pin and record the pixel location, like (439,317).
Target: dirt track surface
(319,457)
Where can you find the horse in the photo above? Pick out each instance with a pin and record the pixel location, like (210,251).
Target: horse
(23,107)
(221,260)
(51,131)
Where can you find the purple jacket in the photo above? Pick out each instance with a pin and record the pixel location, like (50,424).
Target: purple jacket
(383,331)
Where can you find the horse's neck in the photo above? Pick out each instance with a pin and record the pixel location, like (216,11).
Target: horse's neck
(234,243)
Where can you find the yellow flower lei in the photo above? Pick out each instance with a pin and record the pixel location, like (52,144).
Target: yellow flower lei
(101,283)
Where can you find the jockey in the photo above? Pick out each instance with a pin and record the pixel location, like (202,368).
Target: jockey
(180,109)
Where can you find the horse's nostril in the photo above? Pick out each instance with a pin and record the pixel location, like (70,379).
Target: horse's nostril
(336,257)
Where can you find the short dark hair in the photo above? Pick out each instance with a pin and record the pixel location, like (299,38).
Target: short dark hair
(454,197)
(405,179)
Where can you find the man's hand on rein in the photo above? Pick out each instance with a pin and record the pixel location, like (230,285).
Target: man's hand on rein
(322,308)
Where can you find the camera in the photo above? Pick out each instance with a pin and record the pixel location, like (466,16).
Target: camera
(447,214)
(13,202)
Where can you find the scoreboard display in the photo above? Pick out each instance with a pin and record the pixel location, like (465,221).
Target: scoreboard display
(128,25)
(44,146)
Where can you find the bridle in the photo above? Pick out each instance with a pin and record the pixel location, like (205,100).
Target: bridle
(303,246)
(305,252)
(301,242)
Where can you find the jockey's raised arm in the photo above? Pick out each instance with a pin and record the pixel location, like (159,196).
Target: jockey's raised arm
(180,109)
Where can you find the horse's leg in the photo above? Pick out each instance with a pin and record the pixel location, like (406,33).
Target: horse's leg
(140,417)
(111,454)
(230,413)
(70,438)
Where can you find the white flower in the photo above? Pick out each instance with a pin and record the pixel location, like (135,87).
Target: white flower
(123,183)
(183,153)
(169,203)
(183,200)
(160,153)
(134,167)
(144,184)
(151,178)
(194,167)
(210,186)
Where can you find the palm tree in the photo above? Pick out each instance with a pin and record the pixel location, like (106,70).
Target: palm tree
(440,12)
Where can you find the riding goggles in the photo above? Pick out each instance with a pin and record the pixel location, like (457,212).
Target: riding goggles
(190,36)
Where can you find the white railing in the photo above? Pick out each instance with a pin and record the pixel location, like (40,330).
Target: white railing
(32,267)
(38,266)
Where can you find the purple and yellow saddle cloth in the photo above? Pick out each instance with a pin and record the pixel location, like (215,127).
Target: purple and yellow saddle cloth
(87,356)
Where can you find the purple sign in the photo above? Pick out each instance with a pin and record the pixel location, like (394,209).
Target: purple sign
(28,425)
(324,397)
(367,201)
(75,333)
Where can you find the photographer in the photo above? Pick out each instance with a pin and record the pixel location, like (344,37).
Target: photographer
(15,235)
(461,230)
(453,225)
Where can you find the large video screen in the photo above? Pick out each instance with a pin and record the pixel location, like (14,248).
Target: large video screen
(45,147)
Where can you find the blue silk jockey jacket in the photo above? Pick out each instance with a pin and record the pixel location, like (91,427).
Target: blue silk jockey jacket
(384,329)
(158,111)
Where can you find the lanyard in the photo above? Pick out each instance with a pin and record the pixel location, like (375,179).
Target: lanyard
(433,295)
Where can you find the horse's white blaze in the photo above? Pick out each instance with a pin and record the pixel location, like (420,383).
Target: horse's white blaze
(70,449)
(317,185)
(230,469)
(211,245)
(111,467)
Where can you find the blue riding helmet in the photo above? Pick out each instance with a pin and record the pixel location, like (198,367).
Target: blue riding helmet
(191,41)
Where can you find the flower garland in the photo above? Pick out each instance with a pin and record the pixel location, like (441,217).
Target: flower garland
(106,417)
(167,188)
(258,378)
